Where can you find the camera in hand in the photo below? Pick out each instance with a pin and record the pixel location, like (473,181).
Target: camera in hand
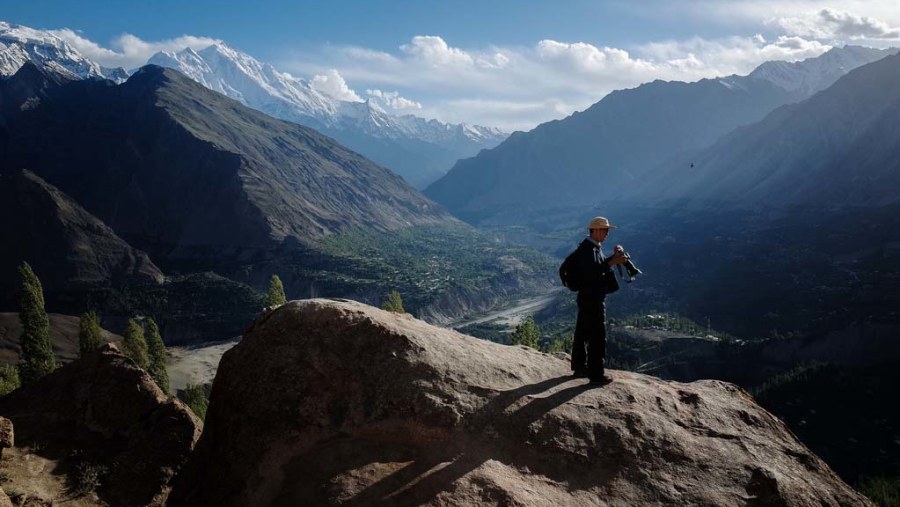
(630,268)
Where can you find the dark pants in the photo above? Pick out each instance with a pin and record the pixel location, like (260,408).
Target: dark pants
(590,331)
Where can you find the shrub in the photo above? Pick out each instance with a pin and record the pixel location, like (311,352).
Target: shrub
(9,379)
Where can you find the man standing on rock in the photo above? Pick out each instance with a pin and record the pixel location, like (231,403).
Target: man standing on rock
(595,279)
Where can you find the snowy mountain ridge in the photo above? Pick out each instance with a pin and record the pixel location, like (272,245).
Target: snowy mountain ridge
(261,86)
(19,44)
(815,74)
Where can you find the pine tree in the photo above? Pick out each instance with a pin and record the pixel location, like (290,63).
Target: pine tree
(276,292)
(394,303)
(89,335)
(37,352)
(134,344)
(157,352)
(527,333)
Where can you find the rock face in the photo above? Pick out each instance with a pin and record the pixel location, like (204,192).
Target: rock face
(108,412)
(7,434)
(328,402)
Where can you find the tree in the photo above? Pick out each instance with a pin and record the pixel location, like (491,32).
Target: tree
(195,397)
(394,303)
(134,344)
(276,292)
(157,351)
(89,335)
(527,333)
(561,343)
(37,352)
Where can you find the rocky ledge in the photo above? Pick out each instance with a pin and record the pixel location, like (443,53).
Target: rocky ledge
(104,411)
(329,402)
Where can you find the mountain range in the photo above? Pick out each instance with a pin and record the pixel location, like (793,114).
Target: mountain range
(616,145)
(837,149)
(418,149)
(202,183)
(20,44)
(171,165)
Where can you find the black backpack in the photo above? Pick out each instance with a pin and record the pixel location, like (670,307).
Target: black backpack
(568,273)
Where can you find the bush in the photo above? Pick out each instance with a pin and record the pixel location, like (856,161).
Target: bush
(9,379)
(86,478)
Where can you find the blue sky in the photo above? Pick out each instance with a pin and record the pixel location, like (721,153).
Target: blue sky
(503,63)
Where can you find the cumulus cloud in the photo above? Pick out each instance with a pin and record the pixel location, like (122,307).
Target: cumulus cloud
(518,87)
(130,51)
(393,100)
(835,24)
(332,84)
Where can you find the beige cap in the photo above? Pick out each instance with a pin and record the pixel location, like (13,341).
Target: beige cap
(600,223)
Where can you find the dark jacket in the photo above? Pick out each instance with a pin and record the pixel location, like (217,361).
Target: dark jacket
(597,279)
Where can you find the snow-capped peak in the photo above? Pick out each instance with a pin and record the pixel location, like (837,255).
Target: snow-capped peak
(19,44)
(815,74)
(261,86)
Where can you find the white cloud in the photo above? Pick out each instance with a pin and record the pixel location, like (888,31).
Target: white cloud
(518,87)
(829,23)
(434,51)
(393,100)
(129,51)
(332,84)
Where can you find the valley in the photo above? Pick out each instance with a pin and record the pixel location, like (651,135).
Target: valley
(205,188)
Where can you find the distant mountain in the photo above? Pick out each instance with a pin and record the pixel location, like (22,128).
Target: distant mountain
(68,246)
(19,44)
(420,150)
(839,148)
(181,171)
(605,151)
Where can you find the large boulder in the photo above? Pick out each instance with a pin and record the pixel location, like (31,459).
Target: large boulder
(328,402)
(105,411)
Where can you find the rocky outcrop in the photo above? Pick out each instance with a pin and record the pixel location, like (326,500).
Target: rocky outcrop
(328,402)
(104,410)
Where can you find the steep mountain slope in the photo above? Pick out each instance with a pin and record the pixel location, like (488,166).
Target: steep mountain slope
(19,44)
(180,170)
(839,148)
(420,150)
(68,246)
(599,154)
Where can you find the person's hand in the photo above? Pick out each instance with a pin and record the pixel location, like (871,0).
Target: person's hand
(618,256)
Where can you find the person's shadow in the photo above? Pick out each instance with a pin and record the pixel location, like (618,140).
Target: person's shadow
(490,433)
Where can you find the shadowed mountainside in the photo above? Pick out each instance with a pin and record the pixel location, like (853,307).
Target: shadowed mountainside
(181,171)
(68,246)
